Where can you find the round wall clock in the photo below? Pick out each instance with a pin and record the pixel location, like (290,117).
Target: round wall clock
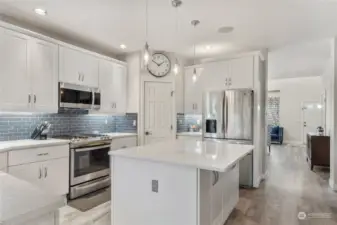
(160,65)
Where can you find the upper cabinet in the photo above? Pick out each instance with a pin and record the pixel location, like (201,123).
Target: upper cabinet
(28,73)
(44,75)
(113,87)
(77,67)
(193,90)
(241,73)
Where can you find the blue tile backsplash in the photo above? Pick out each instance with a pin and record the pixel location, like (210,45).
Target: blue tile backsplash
(17,127)
(186,121)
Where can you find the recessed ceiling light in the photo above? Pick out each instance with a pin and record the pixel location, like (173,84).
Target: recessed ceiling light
(225,29)
(123,46)
(40,11)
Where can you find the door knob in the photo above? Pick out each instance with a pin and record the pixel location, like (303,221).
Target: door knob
(148,133)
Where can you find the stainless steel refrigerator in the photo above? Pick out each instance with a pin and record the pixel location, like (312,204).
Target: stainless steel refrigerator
(228,116)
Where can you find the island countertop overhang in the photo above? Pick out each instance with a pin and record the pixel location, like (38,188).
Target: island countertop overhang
(215,156)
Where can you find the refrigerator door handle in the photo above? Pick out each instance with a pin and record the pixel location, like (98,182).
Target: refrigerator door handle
(226,115)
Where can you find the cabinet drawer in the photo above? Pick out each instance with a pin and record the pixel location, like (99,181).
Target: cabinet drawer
(37,154)
(3,161)
(126,142)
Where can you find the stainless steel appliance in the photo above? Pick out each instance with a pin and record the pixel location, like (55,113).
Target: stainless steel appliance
(228,114)
(89,163)
(78,97)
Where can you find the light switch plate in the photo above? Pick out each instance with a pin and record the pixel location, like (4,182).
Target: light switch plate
(155,186)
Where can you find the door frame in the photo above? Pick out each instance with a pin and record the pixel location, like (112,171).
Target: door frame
(302,117)
(141,127)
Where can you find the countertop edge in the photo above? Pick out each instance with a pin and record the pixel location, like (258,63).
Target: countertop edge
(32,145)
(191,134)
(182,164)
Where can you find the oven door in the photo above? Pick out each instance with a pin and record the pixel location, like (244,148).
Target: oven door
(89,163)
(75,96)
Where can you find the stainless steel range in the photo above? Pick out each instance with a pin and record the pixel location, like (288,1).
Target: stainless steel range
(89,163)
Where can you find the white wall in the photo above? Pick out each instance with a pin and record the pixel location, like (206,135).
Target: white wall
(294,91)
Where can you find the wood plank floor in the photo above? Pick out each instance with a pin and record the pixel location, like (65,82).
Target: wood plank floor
(289,189)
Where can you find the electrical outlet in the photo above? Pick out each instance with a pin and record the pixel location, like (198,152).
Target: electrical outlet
(155,186)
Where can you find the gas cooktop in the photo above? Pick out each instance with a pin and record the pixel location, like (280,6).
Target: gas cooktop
(79,140)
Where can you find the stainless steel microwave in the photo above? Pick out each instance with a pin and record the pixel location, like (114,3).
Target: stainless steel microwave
(78,97)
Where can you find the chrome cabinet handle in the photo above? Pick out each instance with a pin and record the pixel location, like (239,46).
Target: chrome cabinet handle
(34,98)
(43,154)
(40,173)
(29,97)
(45,172)
(79,76)
(82,77)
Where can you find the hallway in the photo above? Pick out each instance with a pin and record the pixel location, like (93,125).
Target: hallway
(289,189)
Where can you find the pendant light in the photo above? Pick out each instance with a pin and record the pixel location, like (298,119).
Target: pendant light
(146,51)
(194,23)
(176,4)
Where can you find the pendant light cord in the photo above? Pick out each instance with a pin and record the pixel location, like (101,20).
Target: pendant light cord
(146,19)
(194,47)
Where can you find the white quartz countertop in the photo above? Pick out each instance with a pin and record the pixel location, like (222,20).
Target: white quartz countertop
(196,134)
(121,135)
(29,143)
(217,156)
(20,200)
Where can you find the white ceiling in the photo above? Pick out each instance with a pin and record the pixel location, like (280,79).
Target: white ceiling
(299,60)
(108,23)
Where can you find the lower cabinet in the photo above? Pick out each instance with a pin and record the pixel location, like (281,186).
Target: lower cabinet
(124,142)
(219,194)
(103,220)
(51,175)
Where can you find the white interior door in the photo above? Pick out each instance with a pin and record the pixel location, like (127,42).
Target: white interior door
(158,112)
(312,114)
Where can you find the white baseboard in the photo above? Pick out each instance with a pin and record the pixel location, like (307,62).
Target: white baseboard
(333,186)
(292,142)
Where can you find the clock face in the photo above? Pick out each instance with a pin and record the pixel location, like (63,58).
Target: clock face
(160,65)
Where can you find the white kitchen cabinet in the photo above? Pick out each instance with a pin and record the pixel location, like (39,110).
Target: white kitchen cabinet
(44,75)
(52,175)
(105,219)
(241,73)
(77,67)
(29,71)
(219,193)
(113,86)
(125,142)
(216,75)
(193,90)
(15,89)
(46,167)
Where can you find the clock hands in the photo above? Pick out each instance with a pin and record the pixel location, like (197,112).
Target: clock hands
(156,63)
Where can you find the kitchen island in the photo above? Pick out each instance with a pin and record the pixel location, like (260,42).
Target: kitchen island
(178,182)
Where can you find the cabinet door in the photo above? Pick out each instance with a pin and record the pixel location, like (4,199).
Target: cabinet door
(31,173)
(119,88)
(106,86)
(44,73)
(216,75)
(105,219)
(193,91)
(15,88)
(216,199)
(78,68)
(242,72)
(89,70)
(56,176)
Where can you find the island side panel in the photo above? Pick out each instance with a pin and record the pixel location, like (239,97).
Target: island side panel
(137,199)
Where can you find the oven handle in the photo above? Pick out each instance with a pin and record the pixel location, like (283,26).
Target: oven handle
(91,149)
(93,184)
